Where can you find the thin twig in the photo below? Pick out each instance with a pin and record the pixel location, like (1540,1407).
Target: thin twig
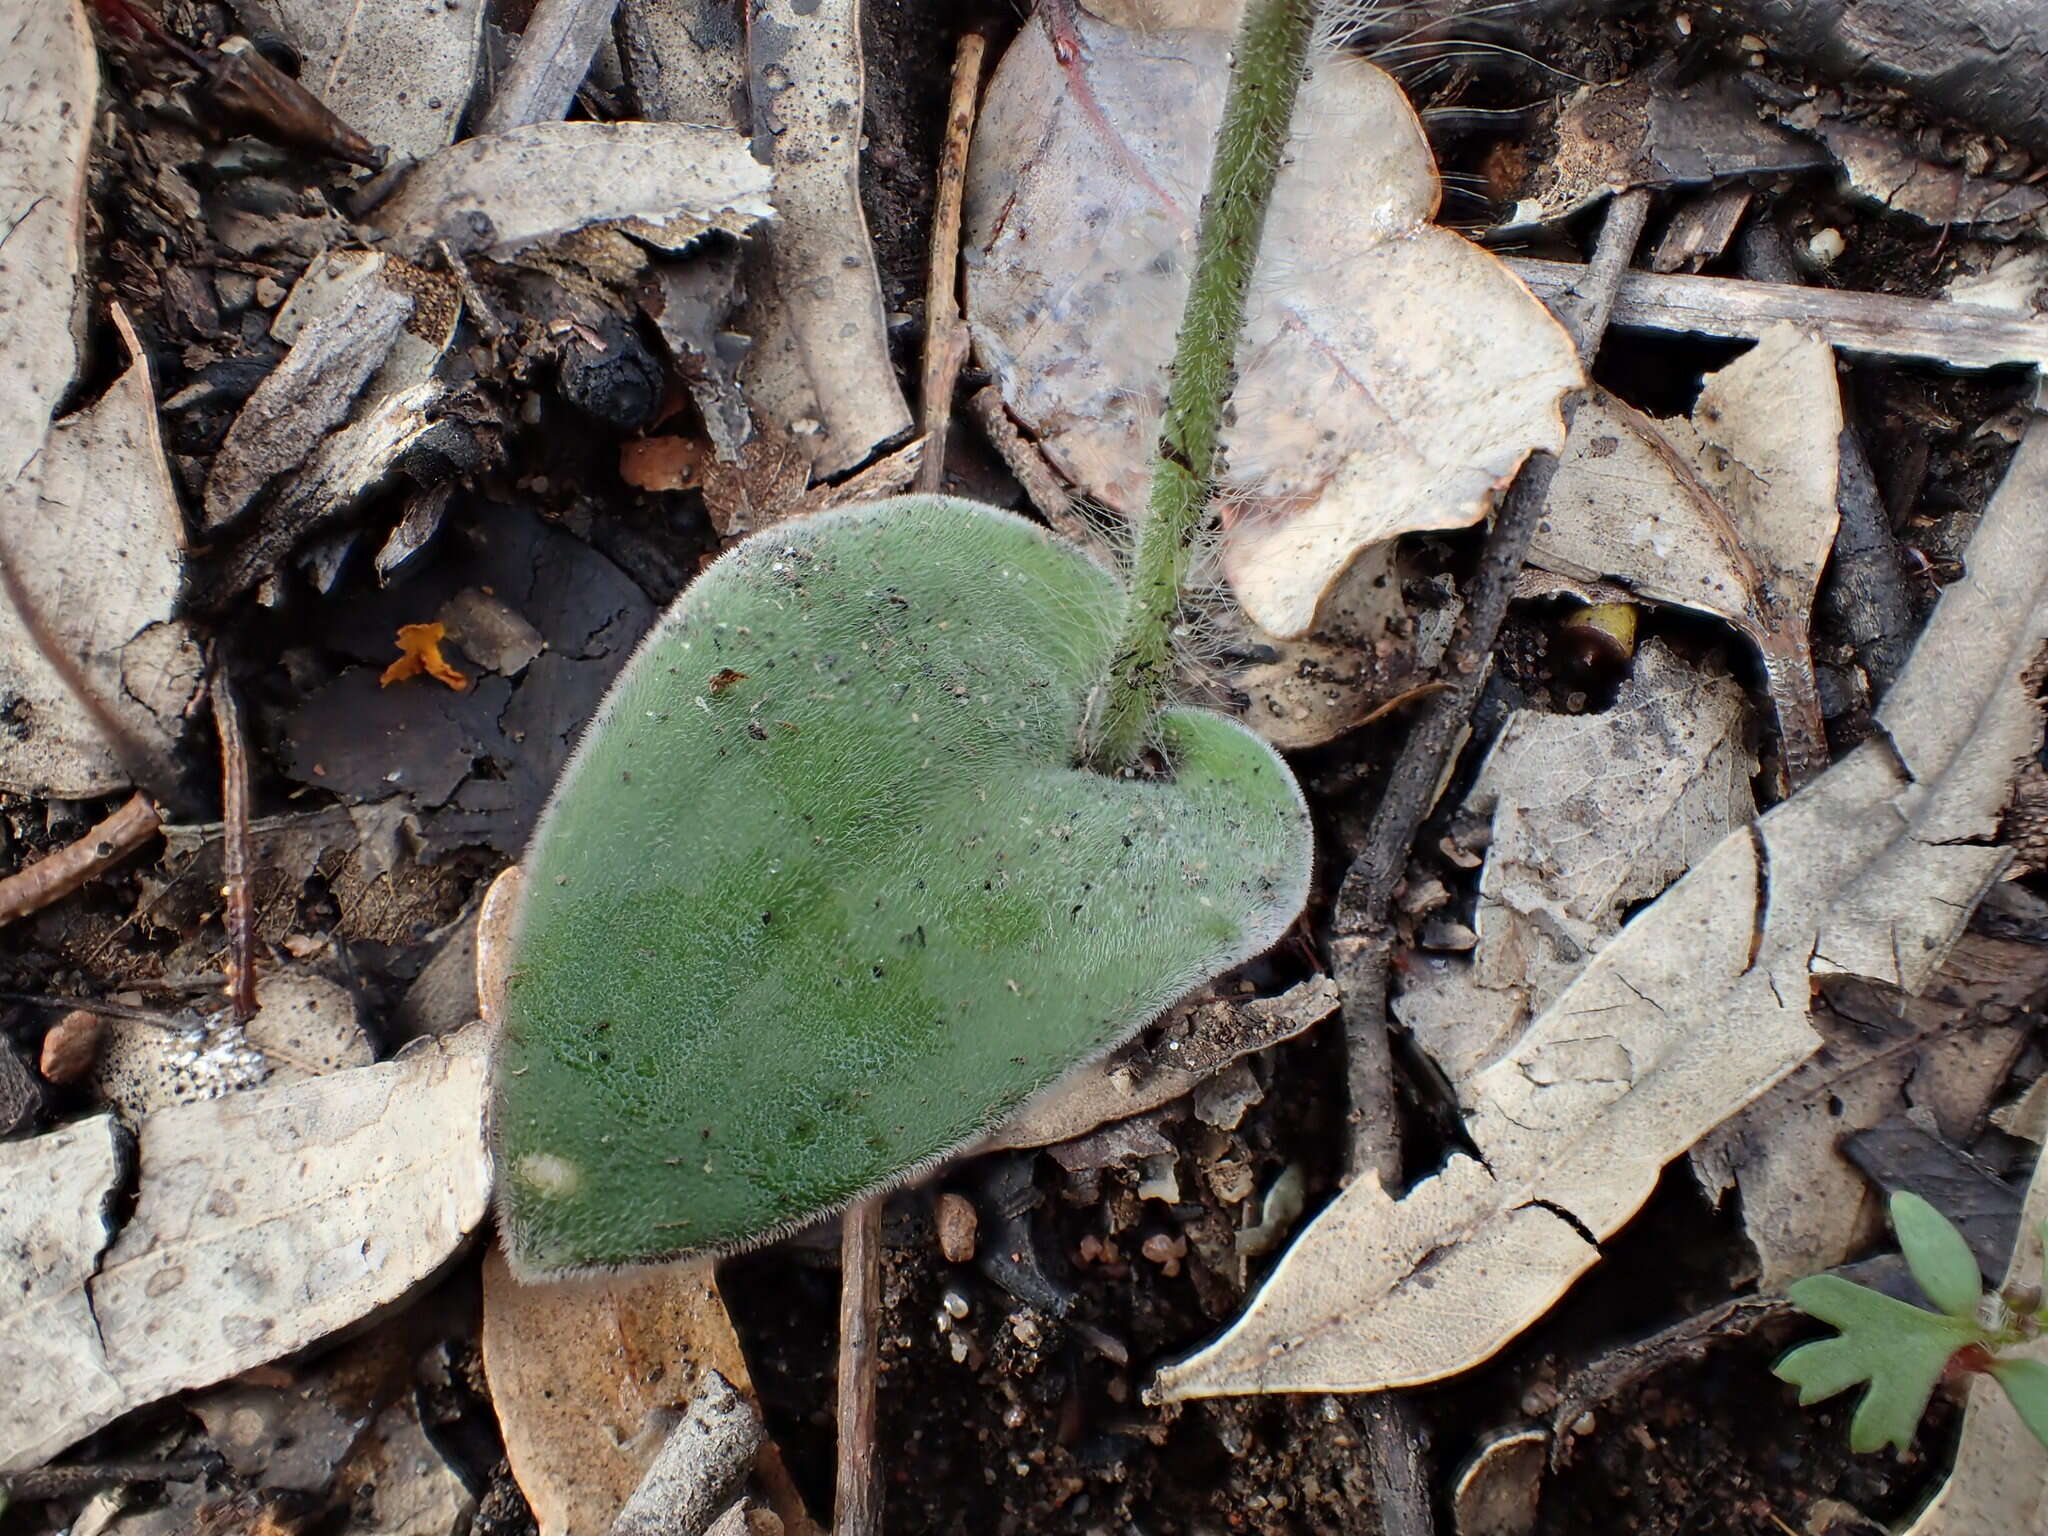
(107,1010)
(1361,942)
(236,856)
(1024,459)
(59,874)
(60,1482)
(555,50)
(857,1501)
(1882,325)
(945,333)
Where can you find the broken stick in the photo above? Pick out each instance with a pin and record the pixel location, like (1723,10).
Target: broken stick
(1967,336)
(53,878)
(945,332)
(857,1501)
(240,914)
(555,50)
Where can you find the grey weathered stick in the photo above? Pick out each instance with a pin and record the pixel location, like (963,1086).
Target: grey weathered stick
(857,1493)
(1863,592)
(699,1467)
(945,333)
(1883,325)
(235,848)
(62,1482)
(1361,940)
(58,875)
(555,50)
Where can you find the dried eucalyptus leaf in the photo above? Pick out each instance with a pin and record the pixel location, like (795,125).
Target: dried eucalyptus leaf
(823,896)
(96,543)
(1590,816)
(500,193)
(266,1220)
(1392,376)
(1733,512)
(397,71)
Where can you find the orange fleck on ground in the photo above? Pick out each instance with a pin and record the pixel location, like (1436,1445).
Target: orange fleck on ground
(419,648)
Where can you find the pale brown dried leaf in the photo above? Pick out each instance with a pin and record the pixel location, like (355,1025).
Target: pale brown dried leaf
(267,1220)
(1392,376)
(94,537)
(1733,512)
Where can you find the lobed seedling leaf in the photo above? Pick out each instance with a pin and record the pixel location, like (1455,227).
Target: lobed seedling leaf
(823,894)
(1941,1261)
(1899,1349)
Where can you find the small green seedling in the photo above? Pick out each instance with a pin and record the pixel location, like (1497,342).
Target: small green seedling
(887,827)
(1903,1351)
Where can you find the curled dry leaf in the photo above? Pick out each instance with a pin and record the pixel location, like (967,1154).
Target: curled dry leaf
(266,1221)
(1695,1008)
(2000,1480)
(1590,816)
(398,71)
(1733,512)
(497,194)
(1392,376)
(1366,653)
(95,547)
(823,338)
(1646,131)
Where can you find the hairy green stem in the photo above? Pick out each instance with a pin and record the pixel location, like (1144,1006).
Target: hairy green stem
(1265,76)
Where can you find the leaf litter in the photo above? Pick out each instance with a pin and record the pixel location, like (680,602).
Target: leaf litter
(1324,707)
(1698,1006)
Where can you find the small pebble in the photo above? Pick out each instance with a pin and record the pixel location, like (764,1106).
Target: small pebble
(954,1302)
(956,1344)
(1826,246)
(71,1045)
(1166,1252)
(957,1224)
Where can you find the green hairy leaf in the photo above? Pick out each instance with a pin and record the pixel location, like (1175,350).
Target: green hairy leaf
(1900,1350)
(1942,1264)
(2026,1383)
(823,895)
